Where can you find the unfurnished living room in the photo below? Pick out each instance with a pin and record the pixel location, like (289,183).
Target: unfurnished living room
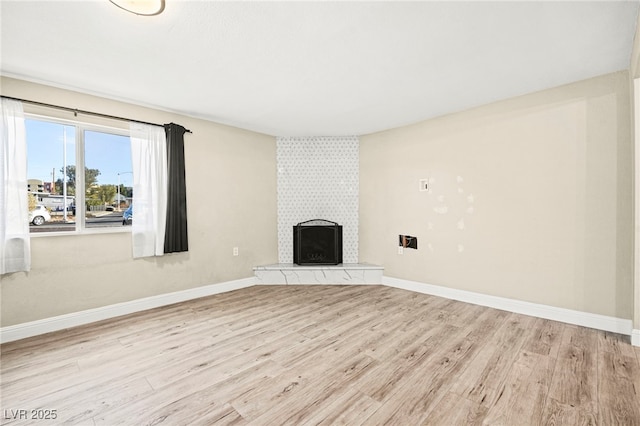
(319,212)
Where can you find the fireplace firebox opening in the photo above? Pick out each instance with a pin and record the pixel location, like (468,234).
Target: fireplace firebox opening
(317,242)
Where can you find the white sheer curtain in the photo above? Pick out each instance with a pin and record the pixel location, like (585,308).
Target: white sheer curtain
(15,252)
(149,158)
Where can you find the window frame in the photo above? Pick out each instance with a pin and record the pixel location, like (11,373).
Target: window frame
(80,128)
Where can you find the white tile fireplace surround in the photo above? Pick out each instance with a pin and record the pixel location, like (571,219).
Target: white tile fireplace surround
(344,273)
(318,178)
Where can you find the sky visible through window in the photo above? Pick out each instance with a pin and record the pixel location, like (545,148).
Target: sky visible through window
(109,153)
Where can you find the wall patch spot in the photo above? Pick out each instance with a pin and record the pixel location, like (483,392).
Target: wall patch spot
(441,209)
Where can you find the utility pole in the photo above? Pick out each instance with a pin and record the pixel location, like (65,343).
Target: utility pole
(53,180)
(64,176)
(121,173)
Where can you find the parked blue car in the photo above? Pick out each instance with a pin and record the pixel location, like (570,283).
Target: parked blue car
(127,216)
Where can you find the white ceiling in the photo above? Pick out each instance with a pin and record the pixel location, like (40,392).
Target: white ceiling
(315,68)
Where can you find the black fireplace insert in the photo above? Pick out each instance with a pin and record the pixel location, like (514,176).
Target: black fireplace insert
(317,242)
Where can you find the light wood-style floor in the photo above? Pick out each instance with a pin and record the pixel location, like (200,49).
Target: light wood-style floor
(270,355)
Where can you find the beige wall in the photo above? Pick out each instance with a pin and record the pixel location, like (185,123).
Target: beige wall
(635,120)
(237,208)
(550,175)
(634,74)
(530,198)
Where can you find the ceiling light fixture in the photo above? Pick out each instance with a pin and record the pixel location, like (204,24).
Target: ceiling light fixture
(141,7)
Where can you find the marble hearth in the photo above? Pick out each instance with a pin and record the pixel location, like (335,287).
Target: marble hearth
(344,273)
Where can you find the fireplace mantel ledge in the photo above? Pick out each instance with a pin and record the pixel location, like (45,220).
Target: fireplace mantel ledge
(343,273)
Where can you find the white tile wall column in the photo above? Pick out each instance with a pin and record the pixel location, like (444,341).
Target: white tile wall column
(318,178)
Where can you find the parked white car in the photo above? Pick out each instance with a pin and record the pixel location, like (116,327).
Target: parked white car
(39,215)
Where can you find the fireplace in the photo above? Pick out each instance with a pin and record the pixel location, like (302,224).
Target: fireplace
(317,242)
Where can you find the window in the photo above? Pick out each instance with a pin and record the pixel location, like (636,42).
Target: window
(72,201)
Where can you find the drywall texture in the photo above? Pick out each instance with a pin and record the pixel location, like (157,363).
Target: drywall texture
(231,198)
(636,155)
(635,122)
(634,75)
(529,198)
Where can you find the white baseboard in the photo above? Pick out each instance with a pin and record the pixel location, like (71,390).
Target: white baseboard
(585,319)
(61,322)
(47,325)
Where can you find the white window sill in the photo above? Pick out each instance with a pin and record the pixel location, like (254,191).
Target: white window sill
(87,231)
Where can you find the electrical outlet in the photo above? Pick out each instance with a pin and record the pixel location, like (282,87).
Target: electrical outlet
(400,250)
(235,251)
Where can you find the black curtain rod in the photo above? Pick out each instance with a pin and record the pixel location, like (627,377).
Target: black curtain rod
(79,111)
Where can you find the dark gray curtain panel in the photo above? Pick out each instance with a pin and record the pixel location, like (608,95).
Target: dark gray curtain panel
(175,239)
